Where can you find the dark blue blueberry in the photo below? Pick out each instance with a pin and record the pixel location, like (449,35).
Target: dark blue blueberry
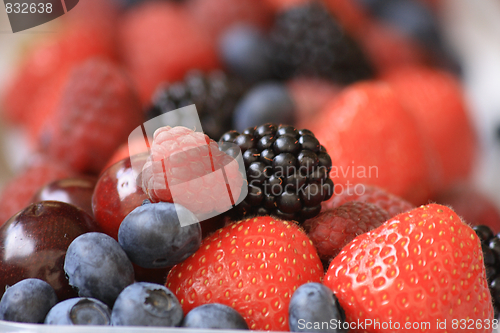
(97,267)
(265,103)
(146,304)
(79,311)
(214,316)
(245,52)
(154,237)
(314,303)
(27,301)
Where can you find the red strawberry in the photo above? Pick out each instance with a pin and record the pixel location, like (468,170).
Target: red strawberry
(373,140)
(185,167)
(282,5)
(96,114)
(422,266)
(393,204)
(436,100)
(214,16)
(474,206)
(161,42)
(18,192)
(57,54)
(332,229)
(253,266)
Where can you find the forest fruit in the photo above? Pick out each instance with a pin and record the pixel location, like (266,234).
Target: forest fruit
(307,40)
(214,316)
(185,166)
(312,304)
(215,95)
(332,229)
(391,203)
(146,304)
(27,301)
(97,111)
(96,266)
(43,231)
(287,171)
(423,265)
(253,266)
(153,236)
(79,311)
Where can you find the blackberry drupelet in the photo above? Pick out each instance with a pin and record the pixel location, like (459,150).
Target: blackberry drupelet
(308,40)
(287,172)
(215,95)
(490,244)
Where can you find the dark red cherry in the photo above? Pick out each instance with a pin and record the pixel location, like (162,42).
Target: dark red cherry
(116,194)
(76,191)
(33,244)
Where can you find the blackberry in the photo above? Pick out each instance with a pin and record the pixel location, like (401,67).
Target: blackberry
(287,172)
(308,40)
(490,245)
(215,95)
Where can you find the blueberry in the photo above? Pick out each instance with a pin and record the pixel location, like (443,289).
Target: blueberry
(79,311)
(245,51)
(314,303)
(146,304)
(153,237)
(214,316)
(27,301)
(265,103)
(97,267)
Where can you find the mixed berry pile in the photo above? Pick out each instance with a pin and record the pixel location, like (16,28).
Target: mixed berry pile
(345,118)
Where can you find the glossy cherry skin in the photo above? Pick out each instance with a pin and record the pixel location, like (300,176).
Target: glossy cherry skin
(33,244)
(76,191)
(116,194)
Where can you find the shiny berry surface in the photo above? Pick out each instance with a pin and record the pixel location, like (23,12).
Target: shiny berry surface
(75,191)
(33,244)
(116,194)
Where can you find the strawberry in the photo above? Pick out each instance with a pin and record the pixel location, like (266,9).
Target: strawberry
(97,111)
(436,100)
(332,229)
(252,265)
(161,42)
(393,204)
(373,140)
(425,265)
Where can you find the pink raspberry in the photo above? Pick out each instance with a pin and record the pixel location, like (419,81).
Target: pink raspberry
(185,167)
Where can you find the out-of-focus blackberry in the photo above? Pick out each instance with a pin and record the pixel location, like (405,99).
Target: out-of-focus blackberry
(287,172)
(490,244)
(215,95)
(308,40)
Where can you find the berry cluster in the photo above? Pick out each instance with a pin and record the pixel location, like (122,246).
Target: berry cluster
(287,171)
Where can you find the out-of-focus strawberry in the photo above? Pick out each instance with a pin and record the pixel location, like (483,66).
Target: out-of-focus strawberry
(160,42)
(214,16)
(472,205)
(19,191)
(393,204)
(436,101)
(96,113)
(373,140)
(310,96)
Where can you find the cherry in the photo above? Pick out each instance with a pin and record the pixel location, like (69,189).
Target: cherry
(116,194)
(75,191)
(33,244)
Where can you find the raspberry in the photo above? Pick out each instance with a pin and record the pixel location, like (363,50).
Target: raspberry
(19,191)
(184,166)
(97,112)
(393,204)
(331,230)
